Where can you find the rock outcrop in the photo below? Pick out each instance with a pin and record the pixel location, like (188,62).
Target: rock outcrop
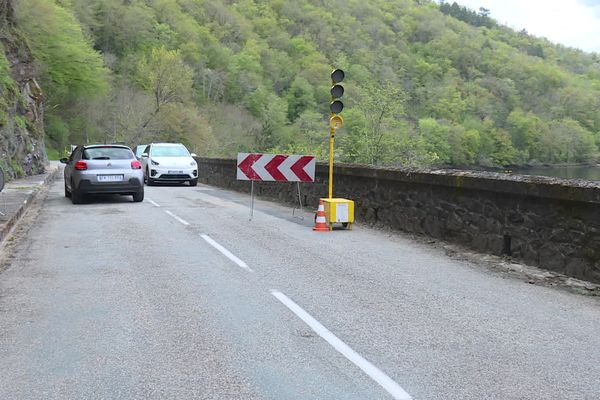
(22,150)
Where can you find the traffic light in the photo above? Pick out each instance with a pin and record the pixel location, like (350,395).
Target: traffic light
(336,121)
(337,91)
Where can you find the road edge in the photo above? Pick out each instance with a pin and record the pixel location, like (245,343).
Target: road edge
(16,217)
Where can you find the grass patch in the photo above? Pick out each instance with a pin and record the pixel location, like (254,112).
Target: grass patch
(5,79)
(20,121)
(17,168)
(53,154)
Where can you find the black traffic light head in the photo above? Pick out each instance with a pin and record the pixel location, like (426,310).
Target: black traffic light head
(337,91)
(336,106)
(337,75)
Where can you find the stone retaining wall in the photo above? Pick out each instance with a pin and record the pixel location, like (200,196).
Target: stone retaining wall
(548,222)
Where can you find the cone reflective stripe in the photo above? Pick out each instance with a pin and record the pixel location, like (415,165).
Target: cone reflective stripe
(321,222)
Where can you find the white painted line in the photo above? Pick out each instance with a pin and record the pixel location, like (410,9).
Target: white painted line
(177,218)
(226,253)
(153,203)
(375,373)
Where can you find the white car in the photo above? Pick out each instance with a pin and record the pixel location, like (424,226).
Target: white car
(169,162)
(138,150)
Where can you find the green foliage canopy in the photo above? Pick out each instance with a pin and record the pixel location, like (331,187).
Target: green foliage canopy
(427,82)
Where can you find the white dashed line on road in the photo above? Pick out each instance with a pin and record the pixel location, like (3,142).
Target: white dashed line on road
(226,253)
(184,222)
(155,204)
(372,371)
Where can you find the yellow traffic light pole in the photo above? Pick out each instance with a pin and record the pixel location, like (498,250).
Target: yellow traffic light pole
(335,122)
(331,141)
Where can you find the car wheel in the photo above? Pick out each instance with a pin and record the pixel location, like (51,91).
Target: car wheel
(76,196)
(149,181)
(67,193)
(139,196)
(194,182)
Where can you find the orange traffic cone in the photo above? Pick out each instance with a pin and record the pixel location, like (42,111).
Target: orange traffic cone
(320,221)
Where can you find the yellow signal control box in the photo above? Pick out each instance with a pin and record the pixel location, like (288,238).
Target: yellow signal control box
(339,211)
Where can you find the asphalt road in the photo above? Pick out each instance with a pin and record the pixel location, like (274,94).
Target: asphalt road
(182,297)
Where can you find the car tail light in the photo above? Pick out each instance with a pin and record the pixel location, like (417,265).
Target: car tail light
(135,164)
(81,165)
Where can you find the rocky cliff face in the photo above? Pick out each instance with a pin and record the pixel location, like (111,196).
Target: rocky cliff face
(22,150)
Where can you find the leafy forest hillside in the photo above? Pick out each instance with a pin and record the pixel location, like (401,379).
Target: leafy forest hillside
(427,84)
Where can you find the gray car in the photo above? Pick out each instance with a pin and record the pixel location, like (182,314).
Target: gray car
(103,169)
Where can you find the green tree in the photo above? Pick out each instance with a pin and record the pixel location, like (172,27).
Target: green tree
(183,123)
(300,97)
(435,137)
(526,131)
(71,70)
(496,146)
(70,66)
(375,123)
(464,144)
(567,141)
(166,76)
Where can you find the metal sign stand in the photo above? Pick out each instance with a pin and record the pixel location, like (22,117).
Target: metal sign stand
(251,201)
(3,212)
(300,202)
(293,210)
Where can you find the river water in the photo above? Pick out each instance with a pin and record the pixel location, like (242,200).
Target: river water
(590,173)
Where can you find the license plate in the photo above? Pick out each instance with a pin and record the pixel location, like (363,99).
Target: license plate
(175,172)
(110,178)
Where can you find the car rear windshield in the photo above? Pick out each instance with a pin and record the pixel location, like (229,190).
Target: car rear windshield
(169,151)
(107,153)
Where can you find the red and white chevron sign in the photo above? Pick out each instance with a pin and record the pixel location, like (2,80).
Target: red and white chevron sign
(275,167)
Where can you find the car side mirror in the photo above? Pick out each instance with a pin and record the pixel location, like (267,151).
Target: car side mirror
(64,160)
(144,154)
(194,155)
